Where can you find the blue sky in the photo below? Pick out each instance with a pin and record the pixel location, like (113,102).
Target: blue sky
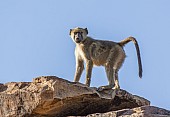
(34,38)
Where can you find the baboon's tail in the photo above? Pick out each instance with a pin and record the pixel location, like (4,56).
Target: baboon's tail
(127,40)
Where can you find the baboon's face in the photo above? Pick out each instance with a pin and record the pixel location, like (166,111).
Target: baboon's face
(78,34)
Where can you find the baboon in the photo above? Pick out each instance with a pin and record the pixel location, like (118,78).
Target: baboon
(100,53)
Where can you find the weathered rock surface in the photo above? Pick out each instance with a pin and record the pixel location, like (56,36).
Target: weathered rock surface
(55,97)
(144,111)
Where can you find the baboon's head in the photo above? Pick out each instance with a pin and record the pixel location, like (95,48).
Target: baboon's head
(78,34)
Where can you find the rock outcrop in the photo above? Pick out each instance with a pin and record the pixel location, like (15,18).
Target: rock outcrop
(144,111)
(55,97)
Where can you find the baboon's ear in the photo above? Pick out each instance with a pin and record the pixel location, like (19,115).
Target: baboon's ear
(86,30)
(70,31)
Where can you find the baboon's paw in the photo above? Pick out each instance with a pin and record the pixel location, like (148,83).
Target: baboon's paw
(101,88)
(116,88)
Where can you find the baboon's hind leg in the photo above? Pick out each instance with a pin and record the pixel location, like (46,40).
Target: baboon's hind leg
(116,66)
(116,80)
(110,73)
(109,70)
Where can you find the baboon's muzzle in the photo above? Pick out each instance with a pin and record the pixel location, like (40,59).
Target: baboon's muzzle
(78,38)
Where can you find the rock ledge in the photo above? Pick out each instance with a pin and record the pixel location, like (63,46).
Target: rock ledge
(56,97)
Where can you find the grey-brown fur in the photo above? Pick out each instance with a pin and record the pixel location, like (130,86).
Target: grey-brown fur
(100,53)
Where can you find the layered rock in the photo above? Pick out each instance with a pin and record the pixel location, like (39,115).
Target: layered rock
(56,97)
(144,111)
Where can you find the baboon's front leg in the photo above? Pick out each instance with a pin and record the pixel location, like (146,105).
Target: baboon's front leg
(89,66)
(79,70)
